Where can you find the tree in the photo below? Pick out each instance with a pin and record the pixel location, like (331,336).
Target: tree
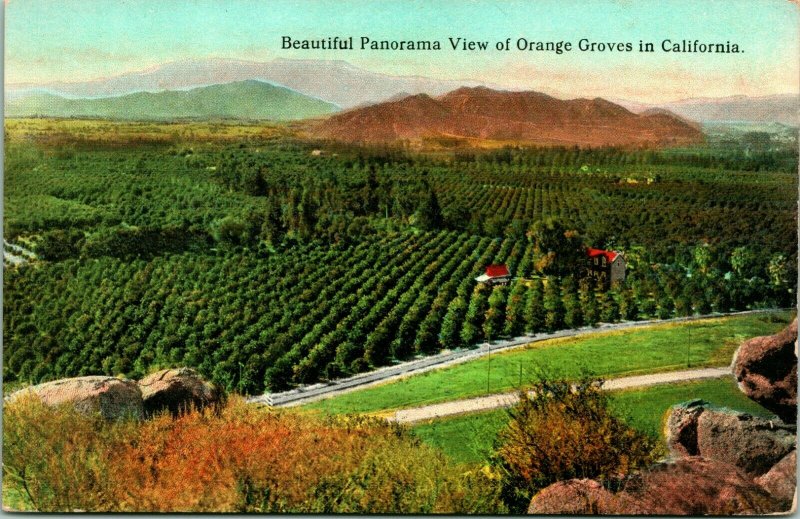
(588,301)
(471,330)
(230,230)
(449,335)
(573,314)
(560,249)
(553,306)
(495,314)
(563,430)
(429,214)
(515,322)
(534,308)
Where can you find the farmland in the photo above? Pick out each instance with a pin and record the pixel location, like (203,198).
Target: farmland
(236,250)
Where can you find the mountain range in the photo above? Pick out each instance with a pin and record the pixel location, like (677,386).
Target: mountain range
(782,108)
(249,99)
(335,81)
(487,114)
(285,89)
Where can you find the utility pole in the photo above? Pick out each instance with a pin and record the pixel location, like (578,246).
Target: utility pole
(689,347)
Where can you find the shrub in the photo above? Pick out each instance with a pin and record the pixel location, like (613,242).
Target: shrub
(564,430)
(244,459)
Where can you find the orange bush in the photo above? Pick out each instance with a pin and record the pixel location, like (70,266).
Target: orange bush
(242,460)
(566,431)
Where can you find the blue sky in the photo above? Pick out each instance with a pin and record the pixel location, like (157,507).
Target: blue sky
(74,40)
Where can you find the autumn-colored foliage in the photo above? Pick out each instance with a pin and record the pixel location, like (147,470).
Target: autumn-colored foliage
(563,430)
(243,459)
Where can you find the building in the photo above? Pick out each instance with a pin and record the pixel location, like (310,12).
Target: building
(606,266)
(495,275)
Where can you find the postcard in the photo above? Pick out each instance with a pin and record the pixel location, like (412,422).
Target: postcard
(420,257)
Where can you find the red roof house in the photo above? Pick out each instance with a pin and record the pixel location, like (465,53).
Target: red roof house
(607,266)
(610,255)
(495,275)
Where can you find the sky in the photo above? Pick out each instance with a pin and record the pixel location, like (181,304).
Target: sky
(76,40)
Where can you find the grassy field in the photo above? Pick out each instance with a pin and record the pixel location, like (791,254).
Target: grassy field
(469,438)
(652,349)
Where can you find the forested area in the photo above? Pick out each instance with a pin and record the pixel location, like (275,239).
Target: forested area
(266,265)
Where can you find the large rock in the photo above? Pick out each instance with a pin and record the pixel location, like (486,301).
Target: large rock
(766,369)
(699,486)
(781,480)
(688,486)
(578,497)
(681,431)
(178,390)
(113,398)
(747,442)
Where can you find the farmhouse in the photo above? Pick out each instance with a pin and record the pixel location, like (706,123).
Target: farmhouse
(495,275)
(606,266)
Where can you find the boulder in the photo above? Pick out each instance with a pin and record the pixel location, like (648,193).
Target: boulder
(178,390)
(700,486)
(781,480)
(747,442)
(681,431)
(766,370)
(688,486)
(576,497)
(113,398)
(750,443)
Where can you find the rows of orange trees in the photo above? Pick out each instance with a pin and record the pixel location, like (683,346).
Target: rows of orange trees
(265,266)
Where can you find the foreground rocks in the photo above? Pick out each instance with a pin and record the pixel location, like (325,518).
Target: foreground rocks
(174,390)
(781,480)
(766,370)
(113,398)
(749,443)
(688,486)
(722,462)
(178,390)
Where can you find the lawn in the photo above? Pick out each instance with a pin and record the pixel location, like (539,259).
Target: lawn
(662,347)
(469,438)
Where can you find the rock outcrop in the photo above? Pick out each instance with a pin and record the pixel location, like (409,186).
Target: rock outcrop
(178,390)
(749,443)
(113,398)
(781,480)
(688,486)
(577,497)
(766,370)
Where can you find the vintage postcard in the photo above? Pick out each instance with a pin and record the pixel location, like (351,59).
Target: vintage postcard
(415,257)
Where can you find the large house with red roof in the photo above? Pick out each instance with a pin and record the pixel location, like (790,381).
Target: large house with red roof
(495,275)
(606,266)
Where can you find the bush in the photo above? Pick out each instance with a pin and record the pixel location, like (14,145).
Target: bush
(245,459)
(563,431)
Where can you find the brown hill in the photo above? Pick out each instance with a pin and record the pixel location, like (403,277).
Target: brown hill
(485,114)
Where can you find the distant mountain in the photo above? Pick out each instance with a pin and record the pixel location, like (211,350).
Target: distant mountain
(781,108)
(240,100)
(486,114)
(334,81)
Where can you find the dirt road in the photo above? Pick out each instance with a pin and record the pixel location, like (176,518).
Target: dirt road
(496,401)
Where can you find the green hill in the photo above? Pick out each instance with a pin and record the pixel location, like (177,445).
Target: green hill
(249,99)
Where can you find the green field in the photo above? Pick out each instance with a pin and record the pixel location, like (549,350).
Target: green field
(651,349)
(470,438)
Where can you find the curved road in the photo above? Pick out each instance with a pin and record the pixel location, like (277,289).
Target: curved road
(307,394)
(499,400)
